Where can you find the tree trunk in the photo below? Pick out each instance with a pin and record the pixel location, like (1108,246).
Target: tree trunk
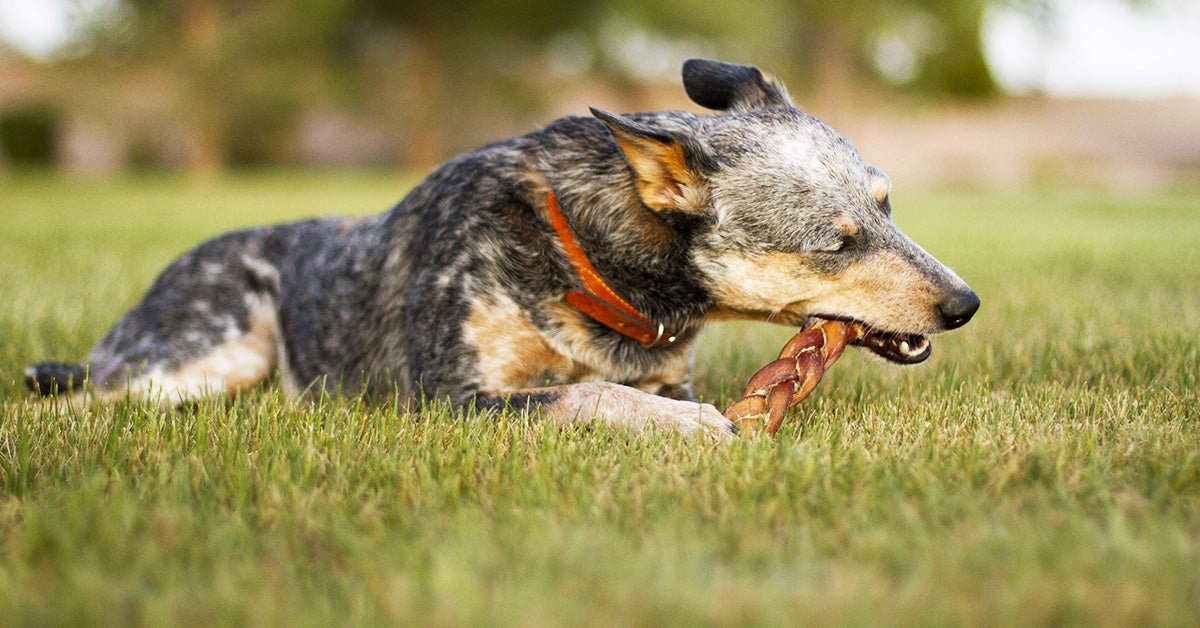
(206,109)
(430,103)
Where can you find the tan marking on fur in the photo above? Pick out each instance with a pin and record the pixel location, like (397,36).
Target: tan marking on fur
(626,407)
(236,364)
(573,337)
(232,366)
(847,227)
(886,291)
(663,179)
(536,184)
(511,352)
(881,187)
(762,284)
(576,341)
(882,290)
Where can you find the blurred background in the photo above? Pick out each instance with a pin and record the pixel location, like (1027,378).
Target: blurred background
(998,92)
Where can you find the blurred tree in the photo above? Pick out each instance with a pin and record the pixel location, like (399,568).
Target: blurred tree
(27,136)
(928,46)
(446,63)
(231,73)
(233,76)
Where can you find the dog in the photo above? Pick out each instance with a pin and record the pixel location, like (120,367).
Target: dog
(567,272)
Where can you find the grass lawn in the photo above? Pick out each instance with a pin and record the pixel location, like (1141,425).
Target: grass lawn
(1042,468)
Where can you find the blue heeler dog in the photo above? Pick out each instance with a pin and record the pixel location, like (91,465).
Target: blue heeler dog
(566,271)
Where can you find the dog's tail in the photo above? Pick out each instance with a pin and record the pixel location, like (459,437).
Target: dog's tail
(52,378)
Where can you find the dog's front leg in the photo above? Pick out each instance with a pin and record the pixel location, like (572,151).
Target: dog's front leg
(613,404)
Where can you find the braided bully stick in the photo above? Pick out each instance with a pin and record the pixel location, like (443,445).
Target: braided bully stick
(789,379)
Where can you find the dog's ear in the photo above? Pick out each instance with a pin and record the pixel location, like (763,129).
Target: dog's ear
(669,167)
(731,87)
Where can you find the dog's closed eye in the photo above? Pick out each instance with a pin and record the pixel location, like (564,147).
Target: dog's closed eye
(835,240)
(836,247)
(839,238)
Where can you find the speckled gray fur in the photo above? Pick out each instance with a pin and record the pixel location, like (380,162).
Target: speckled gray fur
(379,304)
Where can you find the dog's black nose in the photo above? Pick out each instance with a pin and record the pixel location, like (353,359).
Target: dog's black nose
(958,308)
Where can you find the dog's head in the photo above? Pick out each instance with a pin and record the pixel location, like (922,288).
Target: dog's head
(795,223)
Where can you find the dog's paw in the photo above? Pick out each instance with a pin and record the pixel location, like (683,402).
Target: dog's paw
(631,408)
(698,418)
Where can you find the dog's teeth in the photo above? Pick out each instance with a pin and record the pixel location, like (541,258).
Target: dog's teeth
(904,346)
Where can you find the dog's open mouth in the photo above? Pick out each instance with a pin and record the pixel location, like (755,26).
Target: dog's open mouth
(897,347)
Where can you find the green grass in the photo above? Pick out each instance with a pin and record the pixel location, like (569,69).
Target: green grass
(1042,468)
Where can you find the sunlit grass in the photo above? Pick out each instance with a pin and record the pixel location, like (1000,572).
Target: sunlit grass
(1043,467)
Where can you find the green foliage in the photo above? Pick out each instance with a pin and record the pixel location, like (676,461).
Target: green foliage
(954,64)
(233,78)
(28,136)
(1042,468)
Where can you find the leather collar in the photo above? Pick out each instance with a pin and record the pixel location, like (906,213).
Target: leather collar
(599,301)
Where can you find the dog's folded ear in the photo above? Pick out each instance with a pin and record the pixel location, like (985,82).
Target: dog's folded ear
(731,87)
(669,167)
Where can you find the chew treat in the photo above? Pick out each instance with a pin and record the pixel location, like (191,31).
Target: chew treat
(789,379)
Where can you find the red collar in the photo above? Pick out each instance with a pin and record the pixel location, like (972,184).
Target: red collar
(597,299)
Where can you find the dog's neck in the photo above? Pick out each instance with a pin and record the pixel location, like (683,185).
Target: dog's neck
(596,298)
(643,256)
